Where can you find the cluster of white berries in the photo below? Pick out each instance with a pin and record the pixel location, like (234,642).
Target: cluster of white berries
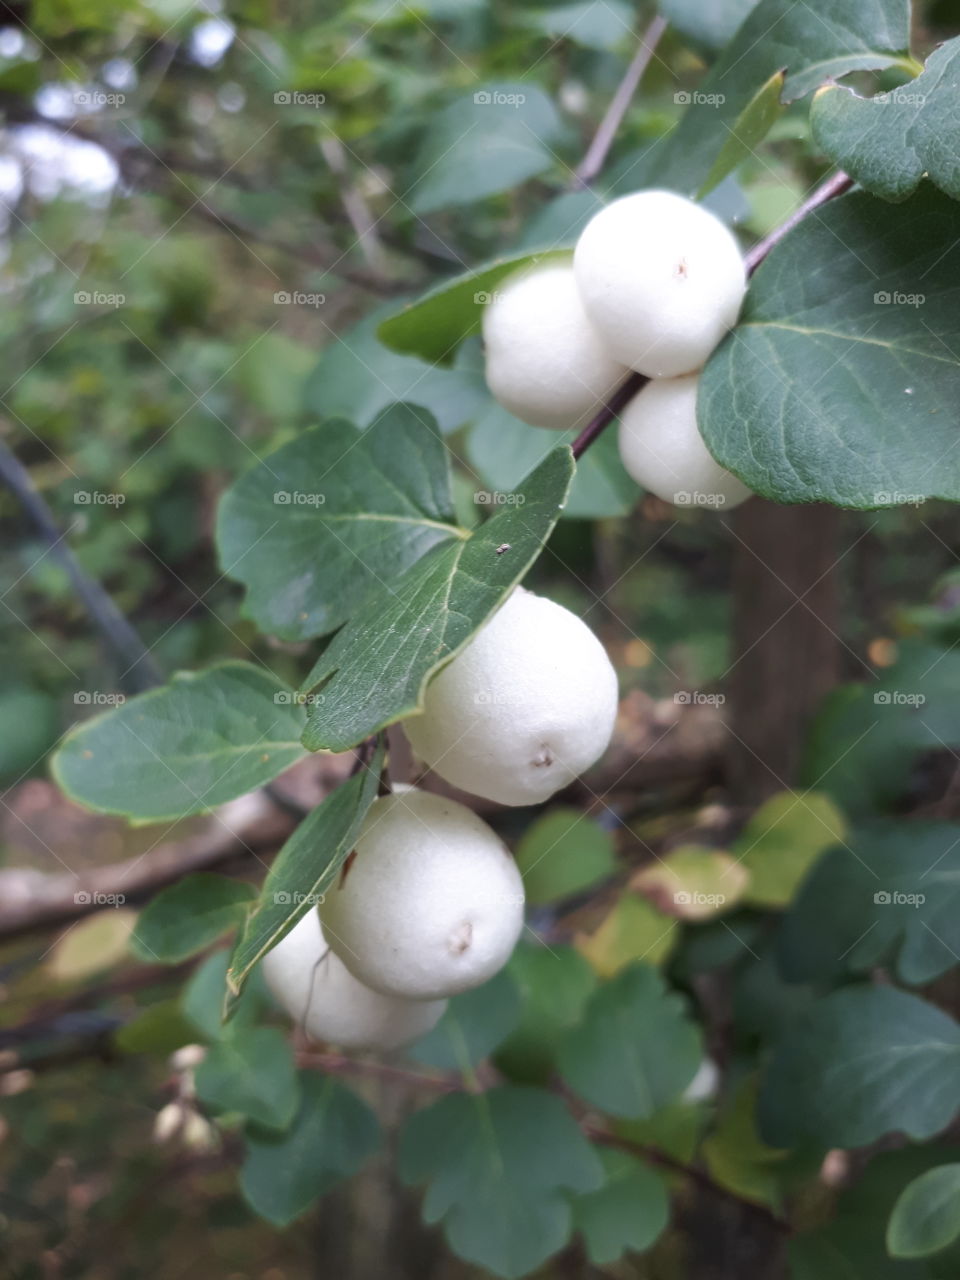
(654,284)
(430,902)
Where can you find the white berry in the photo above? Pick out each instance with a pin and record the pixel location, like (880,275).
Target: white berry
(545,362)
(523,709)
(430,904)
(662,279)
(324,998)
(663,450)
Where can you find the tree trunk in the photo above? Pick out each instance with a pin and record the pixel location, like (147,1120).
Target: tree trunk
(786,644)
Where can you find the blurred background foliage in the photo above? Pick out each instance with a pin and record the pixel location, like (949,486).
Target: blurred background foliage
(183,188)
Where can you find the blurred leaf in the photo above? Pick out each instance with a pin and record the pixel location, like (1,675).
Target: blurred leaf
(203,999)
(493,138)
(633,930)
(736,1155)
(783,840)
(554,985)
(91,945)
(859,1064)
(926,1218)
(499,1165)
(343,512)
(375,669)
(708,23)
(204,738)
(889,142)
(864,407)
(474,1023)
(503,449)
(29,727)
(635,1049)
(749,129)
(889,897)
(160,1028)
(331,1138)
(597,24)
(692,883)
(434,326)
(561,853)
(303,870)
(252,1074)
(357,377)
(628,1212)
(187,916)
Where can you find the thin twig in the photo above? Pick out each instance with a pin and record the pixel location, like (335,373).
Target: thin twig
(835,185)
(593,162)
(138,670)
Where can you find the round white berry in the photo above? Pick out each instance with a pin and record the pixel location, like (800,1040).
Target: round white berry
(545,362)
(523,709)
(430,903)
(662,279)
(324,998)
(663,450)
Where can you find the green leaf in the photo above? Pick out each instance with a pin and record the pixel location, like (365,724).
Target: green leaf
(861,1063)
(635,1049)
(373,503)
(330,1139)
(633,930)
(376,668)
(561,853)
(434,326)
(160,1028)
(926,1218)
(747,132)
(203,997)
(474,1023)
(554,984)
(499,1165)
(596,24)
(503,449)
(303,870)
(252,1074)
(185,748)
(814,40)
(891,896)
(492,138)
(357,377)
(840,381)
(710,24)
(629,1211)
(783,840)
(892,140)
(692,882)
(188,916)
(736,1155)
